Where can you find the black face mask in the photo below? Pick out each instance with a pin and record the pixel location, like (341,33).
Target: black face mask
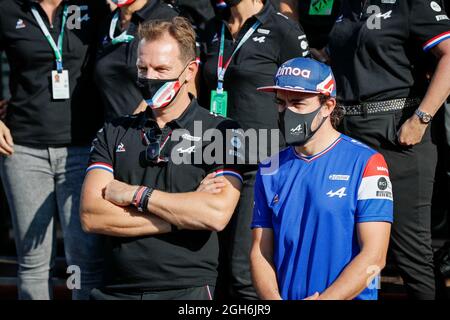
(159,93)
(232,3)
(296,127)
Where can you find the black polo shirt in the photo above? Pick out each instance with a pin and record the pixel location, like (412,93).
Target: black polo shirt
(276,40)
(376,64)
(179,259)
(33,117)
(317,23)
(116,71)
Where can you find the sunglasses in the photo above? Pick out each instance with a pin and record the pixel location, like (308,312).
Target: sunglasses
(154,146)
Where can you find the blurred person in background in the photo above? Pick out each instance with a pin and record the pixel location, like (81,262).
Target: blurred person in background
(243,48)
(376,50)
(115,69)
(316,17)
(51,118)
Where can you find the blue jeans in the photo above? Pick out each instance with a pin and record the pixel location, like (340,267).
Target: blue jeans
(40,183)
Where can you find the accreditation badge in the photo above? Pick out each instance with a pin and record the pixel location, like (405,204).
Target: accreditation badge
(219,102)
(60,85)
(321,7)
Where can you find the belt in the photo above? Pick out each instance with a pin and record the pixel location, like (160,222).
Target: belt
(381,106)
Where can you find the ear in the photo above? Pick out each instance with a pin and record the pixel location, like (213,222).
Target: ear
(191,71)
(328,107)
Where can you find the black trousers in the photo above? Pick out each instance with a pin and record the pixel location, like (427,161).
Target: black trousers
(235,242)
(412,171)
(196,293)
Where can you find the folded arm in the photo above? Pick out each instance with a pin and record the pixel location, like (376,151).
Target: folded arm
(99,215)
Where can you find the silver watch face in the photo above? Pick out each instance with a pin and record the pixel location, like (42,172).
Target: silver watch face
(426,118)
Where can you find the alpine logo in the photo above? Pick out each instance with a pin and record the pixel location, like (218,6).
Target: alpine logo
(276,199)
(260,39)
(20,24)
(340,193)
(120,148)
(297,129)
(85,18)
(385,16)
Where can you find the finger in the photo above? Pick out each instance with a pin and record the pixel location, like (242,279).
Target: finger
(4,152)
(213,190)
(5,145)
(315,296)
(8,138)
(208,177)
(220,185)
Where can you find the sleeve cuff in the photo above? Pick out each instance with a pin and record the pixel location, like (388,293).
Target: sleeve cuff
(436,40)
(375,218)
(262,225)
(228,172)
(101,166)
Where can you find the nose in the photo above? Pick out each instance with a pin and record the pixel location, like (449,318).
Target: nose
(151,74)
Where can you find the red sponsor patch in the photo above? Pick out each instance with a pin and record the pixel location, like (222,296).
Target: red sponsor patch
(376,166)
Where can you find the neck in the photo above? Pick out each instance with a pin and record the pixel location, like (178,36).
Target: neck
(54,3)
(244,10)
(128,10)
(174,110)
(321,140)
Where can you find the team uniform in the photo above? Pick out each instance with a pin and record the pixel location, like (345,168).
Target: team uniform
(180,264)
(313,205)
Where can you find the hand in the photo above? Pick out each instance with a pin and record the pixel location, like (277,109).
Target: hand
(120,193)
(6,140)
(3,108)
(315,296)
(412,131)
(212,184)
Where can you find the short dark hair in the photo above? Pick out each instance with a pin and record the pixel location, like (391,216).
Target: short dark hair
(338,113)
(179,28)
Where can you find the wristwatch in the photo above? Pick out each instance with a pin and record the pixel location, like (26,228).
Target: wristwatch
(423,116)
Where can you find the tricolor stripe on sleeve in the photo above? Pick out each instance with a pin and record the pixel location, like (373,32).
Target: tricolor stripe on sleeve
(101,166)
(375,184)
(436,40)
(228,172)
(221,4)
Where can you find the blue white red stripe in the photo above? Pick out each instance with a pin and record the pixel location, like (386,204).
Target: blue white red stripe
(228,172)
(101,166)
(320,154)
(221,4)
(436,40)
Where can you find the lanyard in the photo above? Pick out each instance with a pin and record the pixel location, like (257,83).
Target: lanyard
(221,69)
(57,49)
(123,37)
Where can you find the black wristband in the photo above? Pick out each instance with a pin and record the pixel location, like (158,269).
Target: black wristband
(146,199)
(174,228)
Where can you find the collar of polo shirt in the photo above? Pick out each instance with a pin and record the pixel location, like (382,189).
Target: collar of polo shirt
(183,121)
